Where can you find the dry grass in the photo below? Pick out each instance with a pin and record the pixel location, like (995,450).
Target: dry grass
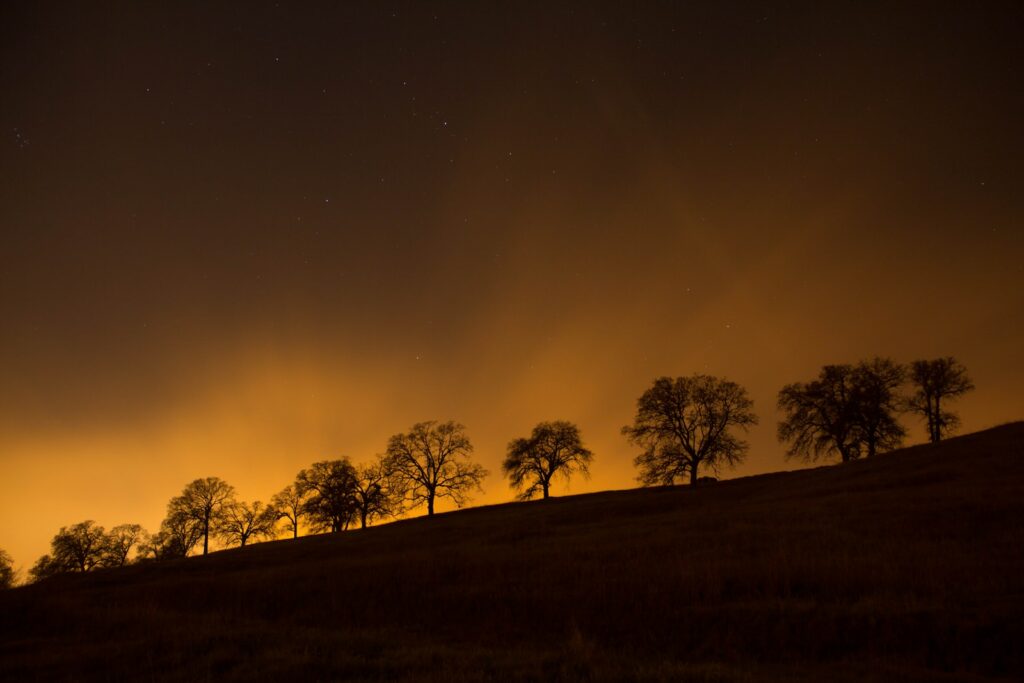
(908,567)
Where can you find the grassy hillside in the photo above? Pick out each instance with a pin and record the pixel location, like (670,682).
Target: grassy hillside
(907,567)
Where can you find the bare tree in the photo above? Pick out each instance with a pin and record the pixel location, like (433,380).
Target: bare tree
(79,547)
(431,461)
(119,543)
(374,492)
(876,383)
(7,573)
(289,504)
(850,410)
(684,424)
(553,448)
(935,382)
(328,488)
(821,416)
(203,501)
(243,521)
(178,535)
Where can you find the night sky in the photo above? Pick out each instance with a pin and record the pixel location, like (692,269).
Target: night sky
(236,240)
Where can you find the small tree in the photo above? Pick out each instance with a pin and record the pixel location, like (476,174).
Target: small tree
(431,461)
(374,492)
(685,424)
(204,501)
(178,535)
(876,383)
(289,504)
(244,521)
(119,543)
(328,488)
(7,573)
(553,448)
(45,567)
(935,382)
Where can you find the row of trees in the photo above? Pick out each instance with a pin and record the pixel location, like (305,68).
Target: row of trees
(85,546)
(687,425)
(684,426)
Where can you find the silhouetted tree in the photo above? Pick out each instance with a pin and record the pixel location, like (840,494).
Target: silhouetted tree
(431,461)
(937,381)
(78,547)
(553,448)
(876,383)
(178,535)
(7,574)
(329,490)
(243,521)
(849,410)
(374,492)
(203,501)
(289,504)
(684,424)
(44,568)
(821,416)
(119,543)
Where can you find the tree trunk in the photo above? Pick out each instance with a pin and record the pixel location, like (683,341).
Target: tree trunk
(430,503)
(206,535)
(693,474)
(362,518)
(295,528)
(544,485)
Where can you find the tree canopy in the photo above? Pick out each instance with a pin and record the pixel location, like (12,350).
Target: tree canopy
(686,424)
(935,382)
(554,448)
(431,461)
(849,410)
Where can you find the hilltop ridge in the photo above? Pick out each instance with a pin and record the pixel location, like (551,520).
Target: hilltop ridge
(906,566)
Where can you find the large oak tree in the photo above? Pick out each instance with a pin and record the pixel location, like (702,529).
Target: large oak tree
(431,461)
(687,424)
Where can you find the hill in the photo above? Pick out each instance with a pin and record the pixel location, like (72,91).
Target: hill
(906,567)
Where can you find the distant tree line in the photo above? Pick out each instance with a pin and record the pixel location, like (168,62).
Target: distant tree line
(686,428)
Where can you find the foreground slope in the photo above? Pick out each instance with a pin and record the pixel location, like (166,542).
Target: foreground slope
(907,567)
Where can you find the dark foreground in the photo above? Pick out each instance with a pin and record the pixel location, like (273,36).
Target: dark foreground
(909,567)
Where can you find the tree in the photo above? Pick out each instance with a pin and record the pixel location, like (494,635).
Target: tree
(7,573)
(242,521)
(848,410)
(204,501)
(431,461)
(44,568)
(79,547)
(876,383)
(328,488)
(684,424)
(821,416)
(119,542)
(553,448)
(373,492)
(936,381)
(289,504)
(178,535)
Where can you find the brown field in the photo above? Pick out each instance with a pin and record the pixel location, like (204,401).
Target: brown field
(907,567)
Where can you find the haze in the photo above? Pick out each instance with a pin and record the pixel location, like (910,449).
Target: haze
(236,241)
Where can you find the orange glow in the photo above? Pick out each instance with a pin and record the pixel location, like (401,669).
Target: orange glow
(238,269)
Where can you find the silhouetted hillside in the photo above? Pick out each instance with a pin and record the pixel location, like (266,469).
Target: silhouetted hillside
(905,567)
